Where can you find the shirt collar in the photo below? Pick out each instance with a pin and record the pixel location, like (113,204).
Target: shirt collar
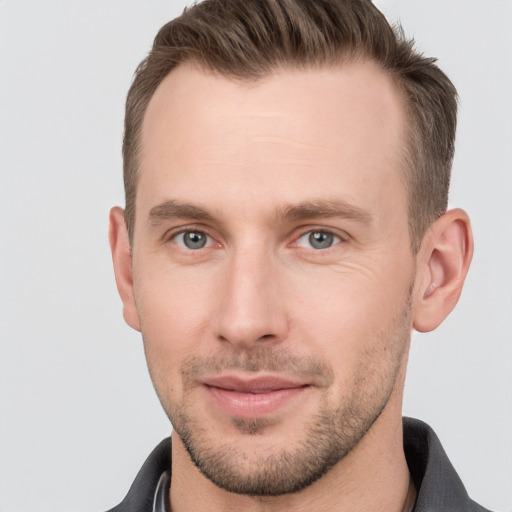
(161,498)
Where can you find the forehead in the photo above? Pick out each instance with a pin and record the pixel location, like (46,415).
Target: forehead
(298,130)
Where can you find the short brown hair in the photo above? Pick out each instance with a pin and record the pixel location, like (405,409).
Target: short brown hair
(248,39)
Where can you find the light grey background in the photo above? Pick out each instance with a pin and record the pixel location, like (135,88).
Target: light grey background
(77,411)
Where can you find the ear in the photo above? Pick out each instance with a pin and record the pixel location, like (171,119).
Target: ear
(122,259)
(443,262)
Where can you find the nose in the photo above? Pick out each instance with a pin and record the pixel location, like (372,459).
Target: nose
(251,307)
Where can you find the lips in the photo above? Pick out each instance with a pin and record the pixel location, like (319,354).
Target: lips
(249,398)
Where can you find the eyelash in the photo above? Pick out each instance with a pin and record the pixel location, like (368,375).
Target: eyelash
(337,238)
(172,236)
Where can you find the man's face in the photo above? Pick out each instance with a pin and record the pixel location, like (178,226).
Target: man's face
(272,267)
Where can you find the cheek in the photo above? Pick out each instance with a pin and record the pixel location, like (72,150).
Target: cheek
(345,302)
(173,311)
(173,304)
(353,317)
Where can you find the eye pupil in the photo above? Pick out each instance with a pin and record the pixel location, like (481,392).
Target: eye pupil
(194,240)
(320,239)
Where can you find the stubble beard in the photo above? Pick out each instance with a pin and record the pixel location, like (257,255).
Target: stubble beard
(327,437)
(325,441)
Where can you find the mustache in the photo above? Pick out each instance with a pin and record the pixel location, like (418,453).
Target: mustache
(259,359)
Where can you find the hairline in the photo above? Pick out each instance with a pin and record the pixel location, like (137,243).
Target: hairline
(408,156)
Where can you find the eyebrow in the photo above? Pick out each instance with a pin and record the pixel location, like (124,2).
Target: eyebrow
(306,210)
(335,208)
(171,209)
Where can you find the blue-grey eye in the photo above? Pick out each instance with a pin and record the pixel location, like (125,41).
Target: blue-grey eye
(318,240)
(191,240)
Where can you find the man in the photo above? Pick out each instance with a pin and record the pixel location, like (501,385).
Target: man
(286,169)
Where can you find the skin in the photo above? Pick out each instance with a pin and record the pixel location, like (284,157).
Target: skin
(256,169)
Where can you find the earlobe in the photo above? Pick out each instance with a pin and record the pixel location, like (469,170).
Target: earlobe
(122,260)
(444,258)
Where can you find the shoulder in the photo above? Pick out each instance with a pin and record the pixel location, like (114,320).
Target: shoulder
(141,495)
(438,485)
